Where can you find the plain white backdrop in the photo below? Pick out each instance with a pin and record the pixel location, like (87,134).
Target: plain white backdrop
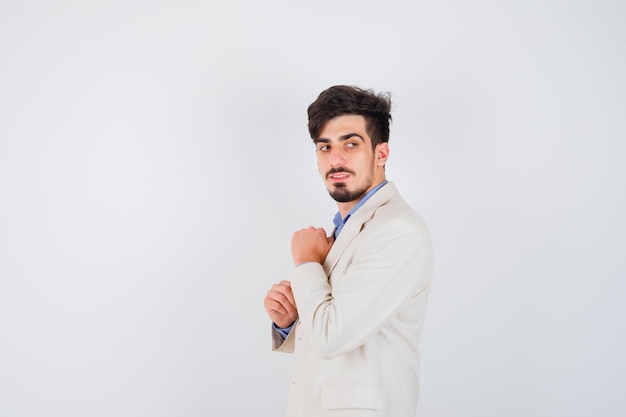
(154,162)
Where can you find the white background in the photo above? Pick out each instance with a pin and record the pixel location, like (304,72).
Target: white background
(154,161)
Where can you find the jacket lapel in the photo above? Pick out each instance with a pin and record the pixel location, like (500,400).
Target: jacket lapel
(355,223)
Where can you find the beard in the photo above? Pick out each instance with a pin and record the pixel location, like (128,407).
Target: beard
(341,194)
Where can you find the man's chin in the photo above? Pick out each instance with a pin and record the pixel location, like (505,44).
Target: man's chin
(342,195)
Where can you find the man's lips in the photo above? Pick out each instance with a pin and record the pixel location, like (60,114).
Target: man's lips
(338,175)
(342,176)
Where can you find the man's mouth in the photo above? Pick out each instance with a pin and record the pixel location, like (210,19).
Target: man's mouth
(340,176)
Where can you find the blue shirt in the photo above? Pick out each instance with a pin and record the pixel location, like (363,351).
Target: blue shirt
(339,224)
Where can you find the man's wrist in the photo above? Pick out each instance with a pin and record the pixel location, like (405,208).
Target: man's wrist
(298,264)
(283,331)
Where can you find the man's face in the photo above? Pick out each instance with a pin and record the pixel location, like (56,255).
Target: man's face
(345,158)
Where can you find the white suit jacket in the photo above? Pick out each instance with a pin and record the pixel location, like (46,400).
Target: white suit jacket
(356,340)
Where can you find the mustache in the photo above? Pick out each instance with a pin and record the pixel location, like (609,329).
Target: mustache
(337,170)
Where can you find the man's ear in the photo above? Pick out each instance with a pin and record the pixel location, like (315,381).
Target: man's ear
(382,153)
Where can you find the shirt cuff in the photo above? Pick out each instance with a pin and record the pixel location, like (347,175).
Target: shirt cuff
(283,332)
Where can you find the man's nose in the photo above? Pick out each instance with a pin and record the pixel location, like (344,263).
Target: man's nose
(337,156)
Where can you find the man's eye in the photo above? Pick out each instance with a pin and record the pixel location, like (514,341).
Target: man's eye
(351,144)
(324,148)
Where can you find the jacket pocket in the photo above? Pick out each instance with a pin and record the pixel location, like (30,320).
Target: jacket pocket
(342,396)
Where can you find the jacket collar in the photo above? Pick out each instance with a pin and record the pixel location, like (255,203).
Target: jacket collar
(355,224)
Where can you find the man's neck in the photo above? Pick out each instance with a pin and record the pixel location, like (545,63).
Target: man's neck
(344,208)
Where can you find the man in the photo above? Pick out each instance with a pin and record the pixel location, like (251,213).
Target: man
(353,311)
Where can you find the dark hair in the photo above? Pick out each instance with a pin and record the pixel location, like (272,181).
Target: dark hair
(342,100)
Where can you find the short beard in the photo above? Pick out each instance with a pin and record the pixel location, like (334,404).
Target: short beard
(341,194)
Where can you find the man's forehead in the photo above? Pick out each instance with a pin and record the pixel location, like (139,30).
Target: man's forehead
(342,125)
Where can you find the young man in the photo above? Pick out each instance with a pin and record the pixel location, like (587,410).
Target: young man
(353,311)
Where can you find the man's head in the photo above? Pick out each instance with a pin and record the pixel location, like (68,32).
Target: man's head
(350,128)
(341,100)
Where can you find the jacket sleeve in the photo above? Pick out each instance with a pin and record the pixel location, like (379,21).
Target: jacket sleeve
(283,345)
(391,264)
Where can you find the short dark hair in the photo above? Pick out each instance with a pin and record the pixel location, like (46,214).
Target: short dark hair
(343,100)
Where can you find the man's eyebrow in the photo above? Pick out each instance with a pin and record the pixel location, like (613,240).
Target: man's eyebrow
(341,138)
(351,135)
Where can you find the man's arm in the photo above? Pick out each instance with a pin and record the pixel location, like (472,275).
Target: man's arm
(392,264)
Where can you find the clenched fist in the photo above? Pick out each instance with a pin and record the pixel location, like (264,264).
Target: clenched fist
(280,304)
(310,245)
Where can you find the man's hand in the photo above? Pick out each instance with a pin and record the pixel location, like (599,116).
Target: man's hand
(280,304)
(310,245)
